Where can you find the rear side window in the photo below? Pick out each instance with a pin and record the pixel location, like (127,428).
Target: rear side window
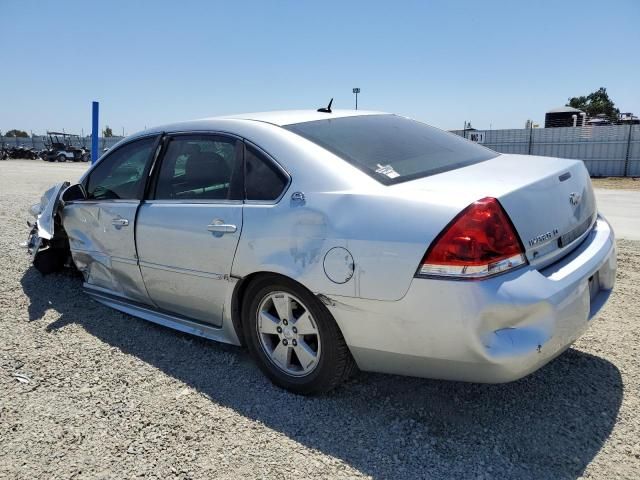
(120,176)
(390,148)
(263,179)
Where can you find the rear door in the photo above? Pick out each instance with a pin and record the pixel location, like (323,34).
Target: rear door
(101,227)
(188,228)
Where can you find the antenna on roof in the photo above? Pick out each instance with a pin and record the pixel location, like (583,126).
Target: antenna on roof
(328,109)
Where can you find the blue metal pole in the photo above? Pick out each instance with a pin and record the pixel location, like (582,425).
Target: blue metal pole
(94,132)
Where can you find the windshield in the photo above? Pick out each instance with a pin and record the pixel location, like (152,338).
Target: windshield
(390,148)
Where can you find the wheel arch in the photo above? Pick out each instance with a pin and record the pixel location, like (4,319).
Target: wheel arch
(239,291)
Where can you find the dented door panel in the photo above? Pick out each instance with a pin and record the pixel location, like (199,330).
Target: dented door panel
(103,246)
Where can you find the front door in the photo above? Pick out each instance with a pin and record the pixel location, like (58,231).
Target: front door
(188,228)
(101,227)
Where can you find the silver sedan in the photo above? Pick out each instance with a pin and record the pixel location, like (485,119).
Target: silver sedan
(329,240)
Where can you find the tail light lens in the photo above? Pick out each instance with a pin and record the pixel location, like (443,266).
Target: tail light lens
(481,241)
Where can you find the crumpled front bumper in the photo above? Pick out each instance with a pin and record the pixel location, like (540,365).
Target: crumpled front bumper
(496,330)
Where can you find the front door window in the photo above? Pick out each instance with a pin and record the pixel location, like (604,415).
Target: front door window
(120,175)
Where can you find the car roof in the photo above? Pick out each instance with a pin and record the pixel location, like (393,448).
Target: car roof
(278,118)
(259,128)
(288,117)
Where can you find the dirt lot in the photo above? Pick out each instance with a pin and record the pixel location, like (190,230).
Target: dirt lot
(625,183)
(104,395)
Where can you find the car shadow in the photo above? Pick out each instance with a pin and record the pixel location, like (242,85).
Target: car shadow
(548,425)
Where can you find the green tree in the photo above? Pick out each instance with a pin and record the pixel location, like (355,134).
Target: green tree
(17,133)
(595,103)
(107,132)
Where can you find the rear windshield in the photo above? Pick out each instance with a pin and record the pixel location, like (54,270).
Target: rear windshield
(392,149)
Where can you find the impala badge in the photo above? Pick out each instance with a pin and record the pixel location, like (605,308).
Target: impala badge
(543,238)
(574,198)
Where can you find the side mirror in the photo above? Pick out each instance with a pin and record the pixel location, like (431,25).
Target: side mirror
(74,192)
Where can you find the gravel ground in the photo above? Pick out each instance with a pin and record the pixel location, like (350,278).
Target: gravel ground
(105,395)
(624,183)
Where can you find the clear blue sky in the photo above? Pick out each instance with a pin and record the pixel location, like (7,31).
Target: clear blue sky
(495,63)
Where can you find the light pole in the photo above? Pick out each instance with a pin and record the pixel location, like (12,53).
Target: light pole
(356,91)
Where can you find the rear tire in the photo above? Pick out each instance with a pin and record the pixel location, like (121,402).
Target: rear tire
(311,359)
(61,158)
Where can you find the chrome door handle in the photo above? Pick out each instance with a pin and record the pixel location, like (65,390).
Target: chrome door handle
(120,222)
(219,227)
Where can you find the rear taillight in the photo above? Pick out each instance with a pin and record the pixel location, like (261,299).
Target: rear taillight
(478,243)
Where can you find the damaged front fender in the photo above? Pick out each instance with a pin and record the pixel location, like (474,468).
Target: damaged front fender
(49,204)
(49,248)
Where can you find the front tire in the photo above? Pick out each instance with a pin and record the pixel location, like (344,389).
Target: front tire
(49,260)
(293,337)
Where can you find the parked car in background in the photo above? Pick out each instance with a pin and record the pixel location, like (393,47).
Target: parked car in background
(19,151)
(325,240)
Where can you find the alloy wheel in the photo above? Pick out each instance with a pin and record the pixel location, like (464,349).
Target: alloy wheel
(288,334)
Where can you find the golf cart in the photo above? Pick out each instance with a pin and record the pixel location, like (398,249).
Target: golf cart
(60,147)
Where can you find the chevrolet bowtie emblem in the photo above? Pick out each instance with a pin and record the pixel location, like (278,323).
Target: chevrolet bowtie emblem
(574,198)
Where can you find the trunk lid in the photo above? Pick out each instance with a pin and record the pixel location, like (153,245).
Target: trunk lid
(549,200)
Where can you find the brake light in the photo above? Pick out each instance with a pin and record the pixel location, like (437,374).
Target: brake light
(479,242)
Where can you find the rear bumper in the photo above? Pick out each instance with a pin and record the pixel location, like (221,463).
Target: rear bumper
(495,330)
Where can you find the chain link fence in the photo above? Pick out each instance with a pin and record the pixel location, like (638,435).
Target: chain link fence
(39,142)
(607,151)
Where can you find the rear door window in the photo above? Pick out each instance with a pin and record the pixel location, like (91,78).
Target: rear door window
(390,148)
(199,167)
